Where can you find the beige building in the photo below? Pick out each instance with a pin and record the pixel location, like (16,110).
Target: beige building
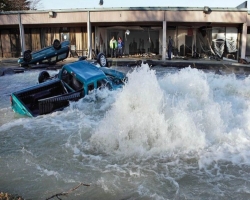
(198,31)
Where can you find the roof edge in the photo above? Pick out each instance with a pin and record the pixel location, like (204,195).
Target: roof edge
(127,9)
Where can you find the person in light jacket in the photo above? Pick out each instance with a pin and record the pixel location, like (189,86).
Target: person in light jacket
(113,46)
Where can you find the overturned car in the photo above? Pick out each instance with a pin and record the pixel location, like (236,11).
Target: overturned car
(58,51)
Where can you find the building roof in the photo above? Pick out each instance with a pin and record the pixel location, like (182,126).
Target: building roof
(230,9)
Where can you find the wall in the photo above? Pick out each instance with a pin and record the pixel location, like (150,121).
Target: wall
(41,29)
(139,15)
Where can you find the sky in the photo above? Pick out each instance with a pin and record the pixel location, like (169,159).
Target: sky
(73,4)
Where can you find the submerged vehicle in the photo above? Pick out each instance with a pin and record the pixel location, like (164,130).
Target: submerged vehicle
(58,51)
(74,81)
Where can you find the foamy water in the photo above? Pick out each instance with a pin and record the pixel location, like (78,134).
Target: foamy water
(181,134)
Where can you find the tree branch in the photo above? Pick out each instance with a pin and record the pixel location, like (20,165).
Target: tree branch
(66,193)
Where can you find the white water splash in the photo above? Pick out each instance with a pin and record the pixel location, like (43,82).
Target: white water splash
(186,112)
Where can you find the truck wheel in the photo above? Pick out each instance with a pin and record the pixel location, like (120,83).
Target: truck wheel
(27,57)
(43,76)
(56,44)
(101,59)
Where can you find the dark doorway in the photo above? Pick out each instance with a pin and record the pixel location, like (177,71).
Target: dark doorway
(188,45)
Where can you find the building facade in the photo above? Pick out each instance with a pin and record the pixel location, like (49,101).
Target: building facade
(197,32)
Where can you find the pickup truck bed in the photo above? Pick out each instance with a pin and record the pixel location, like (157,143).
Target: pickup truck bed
(44,98)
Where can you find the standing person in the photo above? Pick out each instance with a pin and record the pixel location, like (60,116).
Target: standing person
(113,46)
(170,47)
(120,47)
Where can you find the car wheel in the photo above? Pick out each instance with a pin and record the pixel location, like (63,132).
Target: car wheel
(56,44)
(27,57)
(43,76)
(101,59)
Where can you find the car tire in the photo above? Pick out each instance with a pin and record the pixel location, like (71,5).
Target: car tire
(27,57)
(102,60)
(43,76)
(57,44)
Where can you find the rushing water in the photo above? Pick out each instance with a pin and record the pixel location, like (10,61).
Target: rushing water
(168,134)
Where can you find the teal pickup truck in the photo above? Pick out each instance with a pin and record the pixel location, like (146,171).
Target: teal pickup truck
(74,81)
(58,51)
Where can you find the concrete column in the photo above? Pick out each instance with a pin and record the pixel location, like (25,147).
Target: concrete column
(243,40)
(89,37)
(164,39)
(21,31)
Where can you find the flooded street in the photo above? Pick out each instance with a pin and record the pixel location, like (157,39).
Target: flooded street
(168,134)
